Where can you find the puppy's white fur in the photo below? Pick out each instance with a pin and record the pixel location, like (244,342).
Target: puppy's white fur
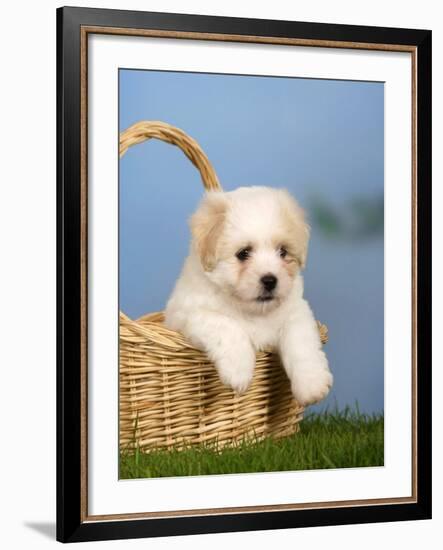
(221,305)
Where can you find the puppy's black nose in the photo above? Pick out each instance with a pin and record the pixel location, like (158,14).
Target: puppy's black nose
(269,282)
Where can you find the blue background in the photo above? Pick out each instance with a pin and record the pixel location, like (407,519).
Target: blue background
(323,140)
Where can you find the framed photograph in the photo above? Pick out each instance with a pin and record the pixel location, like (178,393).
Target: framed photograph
(244,274)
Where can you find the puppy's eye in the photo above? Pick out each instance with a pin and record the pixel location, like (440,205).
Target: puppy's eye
(283,252)
(244,253)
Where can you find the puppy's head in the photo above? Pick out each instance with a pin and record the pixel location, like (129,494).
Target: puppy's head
(251,243)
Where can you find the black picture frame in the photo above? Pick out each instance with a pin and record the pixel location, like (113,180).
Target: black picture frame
(72,523)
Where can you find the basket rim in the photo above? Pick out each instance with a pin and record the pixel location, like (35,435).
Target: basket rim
(151,327)
(154,330)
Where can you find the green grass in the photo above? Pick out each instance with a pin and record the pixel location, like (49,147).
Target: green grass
(346,439)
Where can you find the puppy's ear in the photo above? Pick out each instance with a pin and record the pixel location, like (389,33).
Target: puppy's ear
(207,225)
(296,227)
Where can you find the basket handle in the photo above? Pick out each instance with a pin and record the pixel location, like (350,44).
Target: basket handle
(148,129)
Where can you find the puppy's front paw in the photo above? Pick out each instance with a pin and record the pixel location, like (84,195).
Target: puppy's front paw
(236,369)
(311,381)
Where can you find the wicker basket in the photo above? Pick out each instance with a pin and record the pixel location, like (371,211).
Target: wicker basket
(170,393)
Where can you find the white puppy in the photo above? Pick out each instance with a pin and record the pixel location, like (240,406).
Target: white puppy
(241,290)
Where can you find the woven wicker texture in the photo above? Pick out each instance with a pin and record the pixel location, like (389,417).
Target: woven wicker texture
(170,393)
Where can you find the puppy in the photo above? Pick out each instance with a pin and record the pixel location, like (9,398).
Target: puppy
(241,291)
